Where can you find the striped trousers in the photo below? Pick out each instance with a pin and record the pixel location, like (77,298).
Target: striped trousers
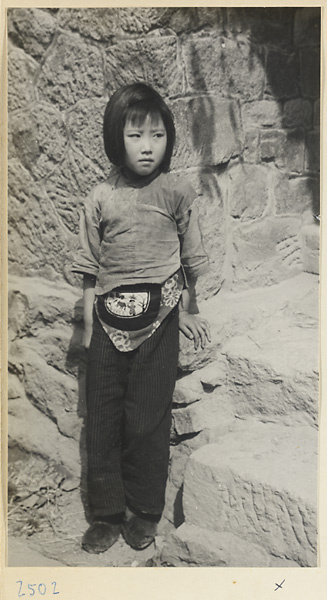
(129,397)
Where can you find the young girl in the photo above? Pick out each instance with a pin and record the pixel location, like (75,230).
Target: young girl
(140,254)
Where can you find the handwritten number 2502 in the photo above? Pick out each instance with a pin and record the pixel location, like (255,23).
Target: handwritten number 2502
(41,588)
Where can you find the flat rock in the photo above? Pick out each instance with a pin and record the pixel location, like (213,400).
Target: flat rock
(30,429)
(191,546)
(188,390)
(213,375)
(233,314)
(259,483)
(275,369)
(206,414)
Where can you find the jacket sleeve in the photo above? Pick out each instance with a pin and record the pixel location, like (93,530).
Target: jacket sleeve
(89,239)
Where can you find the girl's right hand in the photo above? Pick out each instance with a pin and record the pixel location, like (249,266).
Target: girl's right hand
(87,334)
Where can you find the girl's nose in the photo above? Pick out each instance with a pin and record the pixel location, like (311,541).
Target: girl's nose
(146,145)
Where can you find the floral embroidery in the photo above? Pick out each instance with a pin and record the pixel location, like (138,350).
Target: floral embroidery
(121,340)
(171,282)
(170,292)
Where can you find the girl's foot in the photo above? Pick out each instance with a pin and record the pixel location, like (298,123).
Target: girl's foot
(102,534)
(139,530)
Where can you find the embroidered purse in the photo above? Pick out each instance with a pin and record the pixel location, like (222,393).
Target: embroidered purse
(130,308)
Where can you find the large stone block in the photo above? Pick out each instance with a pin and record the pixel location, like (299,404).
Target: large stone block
(274,371)
(211,205)
(285,148)
(46,349)
(212,415)
(61,347)
(266,252)
(31,29)
(305,195)
(307,26)
(296,195)
(238,486)
(187,19)
(64,191)
(37,243)
(312,151)
(272,146)
(100,24)
(153,59)
(233,68)
(213,375)
(52,392)
(262,113)
(298,113)
(39,138)
(293,160)
(188,390)
(232,314)
(17,314)
(211,187)
(33,432)
(248,192)
(68,185)
(72,71)
(108,24)
(251,146)
(85,124)
(198,416)
(208,131)
(21,72)
(310,73)
(49,303)
(140,20)
(282,72)
(263,25)
(179,455)
(191,546)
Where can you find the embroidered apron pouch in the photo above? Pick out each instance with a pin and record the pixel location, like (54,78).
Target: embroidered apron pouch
(130,308)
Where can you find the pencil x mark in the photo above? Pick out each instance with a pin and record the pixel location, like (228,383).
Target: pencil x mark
(279,586)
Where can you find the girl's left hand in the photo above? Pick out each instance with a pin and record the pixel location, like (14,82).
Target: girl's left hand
(195,328)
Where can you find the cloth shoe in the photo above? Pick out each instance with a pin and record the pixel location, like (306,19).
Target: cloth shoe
(102,534)
(139,530)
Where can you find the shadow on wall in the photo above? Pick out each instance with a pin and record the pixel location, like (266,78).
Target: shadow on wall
(280,45)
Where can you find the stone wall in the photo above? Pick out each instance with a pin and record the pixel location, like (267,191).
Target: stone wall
(243,85)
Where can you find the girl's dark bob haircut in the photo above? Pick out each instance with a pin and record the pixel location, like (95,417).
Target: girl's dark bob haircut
(135,102)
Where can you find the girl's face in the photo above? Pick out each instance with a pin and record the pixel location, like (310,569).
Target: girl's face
(145,145)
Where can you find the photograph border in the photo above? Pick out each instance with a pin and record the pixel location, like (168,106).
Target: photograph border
(212,583)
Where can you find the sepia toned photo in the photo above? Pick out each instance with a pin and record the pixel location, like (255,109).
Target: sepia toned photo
(163,260)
